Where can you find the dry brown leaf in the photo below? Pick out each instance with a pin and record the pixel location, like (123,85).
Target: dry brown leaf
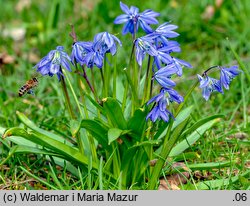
(16,33)
(6,58)
(22,4)
(239,135)
(179,165)
(218,3)
(208,13)
(119,140)
(173,181)
(247,164)
(204,175)
(152,162)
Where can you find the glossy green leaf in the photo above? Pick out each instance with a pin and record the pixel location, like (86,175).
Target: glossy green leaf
(199,123)
(98,130)
(93,101)
(209,165)
(32,126)
(205,166)
(137,122)
(114,113)
(70,153)
(115,133)
(192,138)
(21,141)
(182,116)
(33,150)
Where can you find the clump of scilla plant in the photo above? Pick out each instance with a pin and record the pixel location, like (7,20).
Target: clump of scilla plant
(126,134)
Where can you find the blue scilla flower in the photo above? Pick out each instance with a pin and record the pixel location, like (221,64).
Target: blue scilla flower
(159,110)
(94,57)
(209,85)
(173,95)
(164,32)
(106,42)
(163,76)
(169,94)
(163,56)
(179,64)
(144,45)
(79,51)
(227,75)
(51,64)
(133,19)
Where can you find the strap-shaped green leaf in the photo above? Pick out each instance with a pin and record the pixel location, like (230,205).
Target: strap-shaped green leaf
(192,138)
(114,113)
(97,129)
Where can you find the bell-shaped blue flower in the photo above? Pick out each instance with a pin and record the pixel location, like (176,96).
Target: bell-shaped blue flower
(169,94)
(144,45)
(166,30)
(228,74)
(209,85)
(179,64)
(173,95)
(51,64)
(163,56)
(133,19)
(163,33)
(79,51)
(159,111)
(163,76)
(105,42)
(94,57)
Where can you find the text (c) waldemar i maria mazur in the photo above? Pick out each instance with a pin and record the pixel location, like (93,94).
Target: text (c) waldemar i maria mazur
(77,197)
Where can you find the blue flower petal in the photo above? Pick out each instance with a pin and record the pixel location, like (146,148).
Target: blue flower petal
(124,8)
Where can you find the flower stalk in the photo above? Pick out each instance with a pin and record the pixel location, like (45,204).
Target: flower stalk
(66,97)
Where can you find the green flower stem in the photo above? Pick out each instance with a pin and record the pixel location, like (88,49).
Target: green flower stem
(167,144)
(103,82)
(134,34)
(66,96)
(186,98)
(125,96)
(149,149)
(151,87)
(90,138)
(74,95)
(106,77)
(114,79)
(80,83)
(147,81)
(136,86)
(133,72)
(130,83)
(89,84)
